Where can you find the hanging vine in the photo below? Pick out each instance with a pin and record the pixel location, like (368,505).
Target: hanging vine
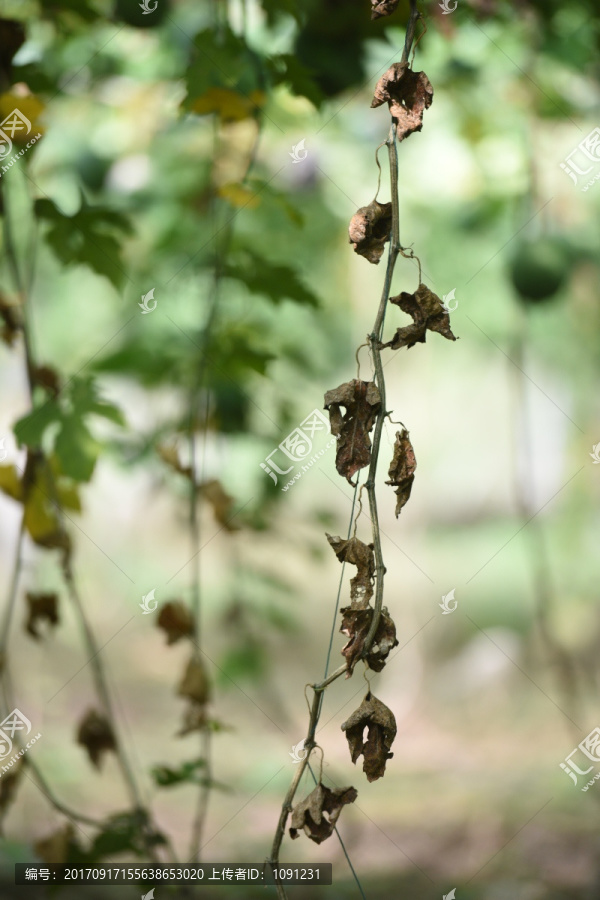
(357,409)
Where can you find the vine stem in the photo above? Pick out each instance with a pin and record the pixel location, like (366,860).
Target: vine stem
(92,646)
(374,340)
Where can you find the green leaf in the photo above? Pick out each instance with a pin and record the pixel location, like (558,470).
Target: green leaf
(222,61)
(165,776)
(91,237)
(124,833)
(86,401)
(76,449)
(287,69)
(29,430)
(270,279)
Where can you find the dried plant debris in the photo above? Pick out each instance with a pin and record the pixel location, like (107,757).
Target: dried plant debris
(362,403)
(222,504)
(96,735)
(380,723)
(362,556)
(402,469)
(176,620)
(369,230)
(58,846)
(319,812)
(195,684)
(408,94)
(355,625)
(8,788)
(382,8)
(428,314)
(40,606)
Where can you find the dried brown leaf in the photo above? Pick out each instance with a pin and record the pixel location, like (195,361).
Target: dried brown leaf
(362,556)
(96,735)
(48,378)
(380,723)
(170,455)
(54,850)
(40,606)
(10,316)
(382,8)
(194,719)
(408,94)
(221,503)
(195,684)
(428,314)
(402,469)
(370,227)
(355,625)
(176,620)
(319,812)
(362,403)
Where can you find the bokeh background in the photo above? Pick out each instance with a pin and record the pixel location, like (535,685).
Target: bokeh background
(166,163)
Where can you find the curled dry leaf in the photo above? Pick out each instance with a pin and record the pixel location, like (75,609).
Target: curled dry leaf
(221,503)
(428,314)
(194,719)
(370,227)
(380,723)
(195,684)
(96,735)
(360,555)
(355,625)
(362,403)
(176,620)
(39,607)
(319,812)
(402,469)
(408,94)
(382,8)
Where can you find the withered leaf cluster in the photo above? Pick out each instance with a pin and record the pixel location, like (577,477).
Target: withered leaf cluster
(380,723)
(318,813)
(402,469)
(355,625)
(428,314)
(362,556)
(195,687)
(382,8)
(40,607)
(408,94)
(96,735)
(176,620)
(370,227)
(362,402)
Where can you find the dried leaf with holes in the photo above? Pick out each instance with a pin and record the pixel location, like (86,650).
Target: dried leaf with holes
(40,606)
(355,625)
(402,469)
(319,812)
(195,684)
(428,314)
(360,555)
(176,620)
(96,735)
(369,230)
(382,8)
(380,723)
(408,94)
(221,503)
(362,403)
